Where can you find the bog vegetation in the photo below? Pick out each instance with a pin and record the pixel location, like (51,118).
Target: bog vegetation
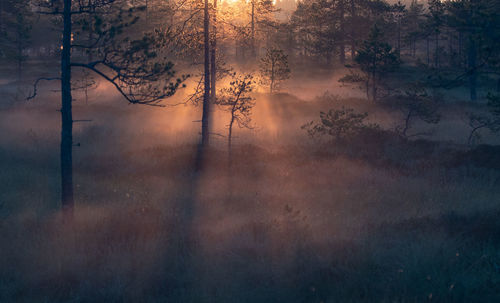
(249,151)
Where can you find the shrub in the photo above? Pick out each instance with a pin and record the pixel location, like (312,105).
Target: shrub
(338,123)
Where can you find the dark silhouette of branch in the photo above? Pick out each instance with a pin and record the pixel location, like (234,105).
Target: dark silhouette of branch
(35,86)
(151,98)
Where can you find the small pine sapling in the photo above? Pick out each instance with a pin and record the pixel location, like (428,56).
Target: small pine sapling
(236,100)
(274,68)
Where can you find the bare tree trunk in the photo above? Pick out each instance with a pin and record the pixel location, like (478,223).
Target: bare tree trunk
(213,61)
(205,119)
(407,122)
(230,134)
(66,152)
(206,95)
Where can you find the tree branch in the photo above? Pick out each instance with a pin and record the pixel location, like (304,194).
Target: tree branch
(35,86)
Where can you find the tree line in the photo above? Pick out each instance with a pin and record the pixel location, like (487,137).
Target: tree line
(133,45)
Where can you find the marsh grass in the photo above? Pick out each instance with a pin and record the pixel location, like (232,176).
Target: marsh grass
(369,219)
(300,227)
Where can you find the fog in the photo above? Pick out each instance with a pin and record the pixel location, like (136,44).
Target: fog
(316,151)
(269,226)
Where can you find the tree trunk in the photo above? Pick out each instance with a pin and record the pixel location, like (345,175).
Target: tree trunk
(407,122)
(213,62)
(206,95)
(66,152)
(230,134)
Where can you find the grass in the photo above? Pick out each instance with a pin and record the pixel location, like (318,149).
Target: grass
(370,219)
(295,227)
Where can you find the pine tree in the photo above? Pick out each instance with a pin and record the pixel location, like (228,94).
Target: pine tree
(134,67)
(376,58)
(274,68)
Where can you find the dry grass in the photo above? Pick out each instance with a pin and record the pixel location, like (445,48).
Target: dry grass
(292,220)
(279,226)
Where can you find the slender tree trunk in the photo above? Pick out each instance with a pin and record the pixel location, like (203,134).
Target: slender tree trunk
(201,154)
(407,122)
(230,134)
(66,152)
(206,96)
(213,61)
